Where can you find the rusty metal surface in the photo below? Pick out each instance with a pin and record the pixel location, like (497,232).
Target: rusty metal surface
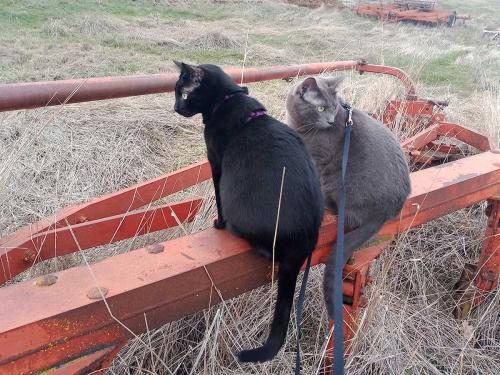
(59,321)
(25,247)
(15,96)
(433,143)
(116,203)
(464,134)
(489,260)
(394,13)
(52,243)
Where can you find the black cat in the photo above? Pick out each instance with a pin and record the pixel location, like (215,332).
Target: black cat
(247,150)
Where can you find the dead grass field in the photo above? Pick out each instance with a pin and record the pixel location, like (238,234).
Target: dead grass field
(53,157)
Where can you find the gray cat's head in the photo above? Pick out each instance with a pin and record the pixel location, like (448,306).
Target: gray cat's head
(313,103)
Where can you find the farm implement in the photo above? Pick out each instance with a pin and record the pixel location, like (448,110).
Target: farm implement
(415,11)
(77,320)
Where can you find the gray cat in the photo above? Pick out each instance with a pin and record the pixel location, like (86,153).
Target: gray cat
(377,177)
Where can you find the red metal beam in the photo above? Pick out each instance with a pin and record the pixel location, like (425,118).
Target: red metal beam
(466,135)
(15,96)
(52,243)
(116,203)
(445,129)
(489,260)
(58,322)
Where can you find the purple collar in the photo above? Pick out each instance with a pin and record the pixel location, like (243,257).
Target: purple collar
(255,114)
(251,116)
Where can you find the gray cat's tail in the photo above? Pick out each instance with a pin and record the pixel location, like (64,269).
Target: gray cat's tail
(352,241)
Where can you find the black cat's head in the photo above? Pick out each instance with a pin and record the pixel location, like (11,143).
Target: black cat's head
(201,88)
(313,103)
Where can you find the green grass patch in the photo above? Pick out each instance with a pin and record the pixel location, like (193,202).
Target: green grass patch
(445,71)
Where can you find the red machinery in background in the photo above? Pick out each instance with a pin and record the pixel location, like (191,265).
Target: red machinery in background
(75,321)
(416,11)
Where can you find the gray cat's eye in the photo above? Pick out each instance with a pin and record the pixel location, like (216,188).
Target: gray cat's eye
(184,95)
(320,108)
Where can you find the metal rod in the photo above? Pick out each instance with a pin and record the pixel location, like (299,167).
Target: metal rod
(16,96)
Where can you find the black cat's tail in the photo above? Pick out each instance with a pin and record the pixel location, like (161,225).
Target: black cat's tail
(287,279)
(352,241)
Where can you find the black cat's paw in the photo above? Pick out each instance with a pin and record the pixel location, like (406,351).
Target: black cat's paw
(219,224)
(255,355)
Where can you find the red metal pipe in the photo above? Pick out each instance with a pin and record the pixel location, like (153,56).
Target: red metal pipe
(16,96)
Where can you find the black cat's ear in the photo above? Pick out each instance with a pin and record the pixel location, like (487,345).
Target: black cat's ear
(334,82)
(245,89)
(178,64)
(193,71)
(309,84)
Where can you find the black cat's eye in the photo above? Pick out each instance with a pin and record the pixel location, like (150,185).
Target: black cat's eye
(184,95)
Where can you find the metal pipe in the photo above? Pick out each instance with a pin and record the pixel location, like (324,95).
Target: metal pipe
(16,96)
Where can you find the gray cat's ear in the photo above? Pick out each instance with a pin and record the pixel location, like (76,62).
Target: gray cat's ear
(334,82)
(309,84)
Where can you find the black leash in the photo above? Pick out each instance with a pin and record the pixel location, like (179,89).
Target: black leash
(338,316)
(298,310)
(338,342)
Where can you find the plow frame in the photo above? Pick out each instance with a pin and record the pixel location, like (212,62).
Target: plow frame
(423,12)
(76,320)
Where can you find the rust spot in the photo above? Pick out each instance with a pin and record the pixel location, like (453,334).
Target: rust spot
(155,248)
(46,280)
(94,293)
(29,256)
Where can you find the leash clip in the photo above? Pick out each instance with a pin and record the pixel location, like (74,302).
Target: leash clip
(349,115)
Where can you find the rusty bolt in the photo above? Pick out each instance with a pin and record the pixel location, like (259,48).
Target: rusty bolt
(46,280)
(29,256)
(155,248)
(95,293)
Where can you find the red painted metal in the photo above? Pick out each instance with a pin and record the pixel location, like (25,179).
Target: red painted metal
(116,203)
(412,111)
(466,135)
(62,330)
(57,242)
(429,145)
(15,96)
(489,261)
(407,11)
(59,322)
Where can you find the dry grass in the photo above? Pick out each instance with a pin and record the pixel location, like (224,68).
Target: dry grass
(58,156)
